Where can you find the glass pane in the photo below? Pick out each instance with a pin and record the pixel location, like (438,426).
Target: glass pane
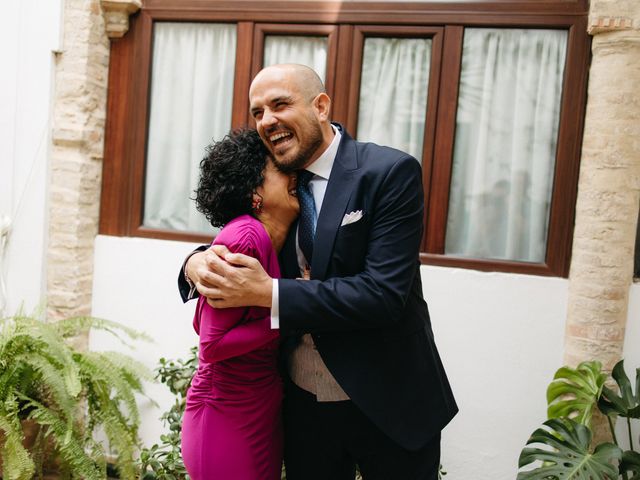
(305,50)
(393,92)
(191,100)
(505,143)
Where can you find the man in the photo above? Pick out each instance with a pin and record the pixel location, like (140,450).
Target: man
(368,387)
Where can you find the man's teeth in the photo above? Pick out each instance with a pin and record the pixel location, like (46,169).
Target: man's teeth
(278,136)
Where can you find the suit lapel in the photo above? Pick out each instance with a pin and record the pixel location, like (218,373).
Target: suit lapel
(336,198)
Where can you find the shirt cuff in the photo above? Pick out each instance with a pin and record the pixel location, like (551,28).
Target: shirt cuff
(192,286)
(275,308)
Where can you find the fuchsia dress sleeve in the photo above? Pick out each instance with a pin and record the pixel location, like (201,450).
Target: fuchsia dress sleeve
(232,426)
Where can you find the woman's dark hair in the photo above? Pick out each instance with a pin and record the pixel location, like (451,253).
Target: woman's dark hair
(229,173)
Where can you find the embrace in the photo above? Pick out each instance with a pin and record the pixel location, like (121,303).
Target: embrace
(318,266)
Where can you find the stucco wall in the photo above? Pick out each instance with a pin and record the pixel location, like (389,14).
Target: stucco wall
(500,337)
(30,34)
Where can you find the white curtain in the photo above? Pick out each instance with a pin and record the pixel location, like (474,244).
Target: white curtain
(505,143)
(191,101)
(304,50)
(393,92)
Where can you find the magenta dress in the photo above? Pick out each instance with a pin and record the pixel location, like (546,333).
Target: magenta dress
(232,427)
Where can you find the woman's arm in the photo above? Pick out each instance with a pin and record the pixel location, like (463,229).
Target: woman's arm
(231,332)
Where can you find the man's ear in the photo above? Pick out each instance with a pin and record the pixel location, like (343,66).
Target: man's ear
(322,105)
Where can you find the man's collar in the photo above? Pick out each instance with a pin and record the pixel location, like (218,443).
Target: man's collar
(322,166)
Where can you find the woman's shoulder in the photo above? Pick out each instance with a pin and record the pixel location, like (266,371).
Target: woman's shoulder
(244,234)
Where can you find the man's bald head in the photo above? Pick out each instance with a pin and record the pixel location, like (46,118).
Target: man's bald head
(291,109)
(303,78)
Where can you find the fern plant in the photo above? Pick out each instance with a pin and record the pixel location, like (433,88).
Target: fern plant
(69,394)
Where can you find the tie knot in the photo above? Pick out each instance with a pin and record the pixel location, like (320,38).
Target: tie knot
(304,177)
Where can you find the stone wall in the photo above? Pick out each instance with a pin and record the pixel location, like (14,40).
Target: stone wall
(79,111)
(608,189)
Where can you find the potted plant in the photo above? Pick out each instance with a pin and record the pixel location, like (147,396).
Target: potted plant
(572,398)
(68,394)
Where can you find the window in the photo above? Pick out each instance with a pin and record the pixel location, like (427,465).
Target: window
(191,92)
(488,97)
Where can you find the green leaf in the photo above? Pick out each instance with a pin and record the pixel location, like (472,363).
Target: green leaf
(569,458)
(574,393)
(631,464)
(625,404)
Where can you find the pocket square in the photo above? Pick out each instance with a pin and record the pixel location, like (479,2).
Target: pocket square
(351,218)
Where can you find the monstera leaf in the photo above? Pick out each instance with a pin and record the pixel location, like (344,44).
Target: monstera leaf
(574,393)
(631,464)
(570,458)
(627,404)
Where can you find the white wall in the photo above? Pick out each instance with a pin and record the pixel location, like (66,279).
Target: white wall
(30,31)
(501,339)
(135,283)
(500,336)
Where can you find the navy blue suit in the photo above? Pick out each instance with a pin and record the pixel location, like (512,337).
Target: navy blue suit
(364,305)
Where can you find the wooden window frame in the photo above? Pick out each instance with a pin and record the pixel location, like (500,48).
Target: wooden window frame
(347,24)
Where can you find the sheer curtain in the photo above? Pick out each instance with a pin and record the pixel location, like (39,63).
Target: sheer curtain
(305,50)
(393,92)
(505,143)
(191,100)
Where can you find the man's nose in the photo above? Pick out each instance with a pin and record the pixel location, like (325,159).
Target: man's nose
(268,118)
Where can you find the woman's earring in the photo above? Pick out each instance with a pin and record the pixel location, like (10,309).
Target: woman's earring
(256,203)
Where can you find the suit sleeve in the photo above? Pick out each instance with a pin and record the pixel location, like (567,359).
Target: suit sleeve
(185,290)
(376,296)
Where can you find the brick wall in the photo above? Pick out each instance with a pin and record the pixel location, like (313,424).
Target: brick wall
(76,154)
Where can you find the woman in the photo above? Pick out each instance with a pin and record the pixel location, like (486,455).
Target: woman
(231,428)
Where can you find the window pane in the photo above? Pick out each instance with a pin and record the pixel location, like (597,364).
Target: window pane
(505,143)
(393,92)
(191,100)
(305,50)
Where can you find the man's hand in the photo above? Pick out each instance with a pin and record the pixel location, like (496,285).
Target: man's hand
(230,279)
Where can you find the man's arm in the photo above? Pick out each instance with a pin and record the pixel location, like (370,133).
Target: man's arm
(375,297)
(372,298)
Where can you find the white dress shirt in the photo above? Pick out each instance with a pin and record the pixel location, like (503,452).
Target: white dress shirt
(321,169)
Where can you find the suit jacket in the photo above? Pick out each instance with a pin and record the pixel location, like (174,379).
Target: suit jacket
(364,305)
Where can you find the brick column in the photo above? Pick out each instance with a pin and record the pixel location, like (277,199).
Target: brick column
(608,189)
(76,154)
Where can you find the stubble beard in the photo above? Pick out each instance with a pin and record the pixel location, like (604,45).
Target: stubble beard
(307,149)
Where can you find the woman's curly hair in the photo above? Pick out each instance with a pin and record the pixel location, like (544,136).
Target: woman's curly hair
(229,174)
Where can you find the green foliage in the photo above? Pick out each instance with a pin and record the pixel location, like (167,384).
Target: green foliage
(626,404)
(163,461)
(630,464)
(570,457)
(574,393)
(572,397)
(69,394)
